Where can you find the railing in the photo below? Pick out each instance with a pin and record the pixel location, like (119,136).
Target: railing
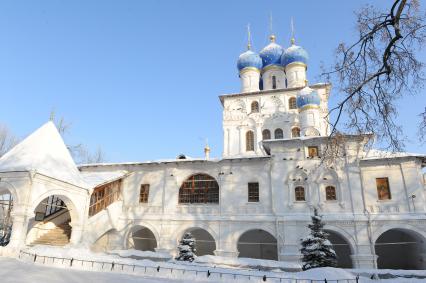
(166,272)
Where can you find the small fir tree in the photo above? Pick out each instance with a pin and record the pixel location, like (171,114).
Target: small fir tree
(316,249)
(186,248)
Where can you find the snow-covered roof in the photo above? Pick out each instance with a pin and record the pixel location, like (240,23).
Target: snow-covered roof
(45,152)
(381,154)
(165,161)
(95,179)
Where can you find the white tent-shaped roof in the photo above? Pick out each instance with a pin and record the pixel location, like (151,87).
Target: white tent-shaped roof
(45,152)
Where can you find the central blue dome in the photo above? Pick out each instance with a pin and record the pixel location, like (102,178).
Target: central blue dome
(294,54)
(307,96)
(249,59)
(271,54)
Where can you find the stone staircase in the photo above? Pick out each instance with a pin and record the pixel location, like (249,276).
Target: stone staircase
(59,236)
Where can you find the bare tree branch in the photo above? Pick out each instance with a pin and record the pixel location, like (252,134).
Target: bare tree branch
(381,67)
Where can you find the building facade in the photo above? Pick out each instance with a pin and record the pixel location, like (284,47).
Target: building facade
(255,201)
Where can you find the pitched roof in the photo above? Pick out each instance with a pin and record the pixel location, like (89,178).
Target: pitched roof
(45,152)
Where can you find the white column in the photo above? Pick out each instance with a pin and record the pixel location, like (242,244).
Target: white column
(258,139)
(242,139)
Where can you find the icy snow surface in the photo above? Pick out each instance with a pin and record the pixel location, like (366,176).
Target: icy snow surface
(14,271)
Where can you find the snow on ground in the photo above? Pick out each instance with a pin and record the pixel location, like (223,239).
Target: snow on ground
(202,265)
(247,263)
(14,271)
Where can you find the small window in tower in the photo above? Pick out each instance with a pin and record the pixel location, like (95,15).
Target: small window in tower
(274,82)
(254,107)
(313,151)
(144,193)
(250,141)
(295,132)
(383,189)
(330,193)
(266,134)
(253,192)
(278,134)
(292,103)
(299,193)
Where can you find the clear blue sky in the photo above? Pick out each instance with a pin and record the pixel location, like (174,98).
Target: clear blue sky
(142,78)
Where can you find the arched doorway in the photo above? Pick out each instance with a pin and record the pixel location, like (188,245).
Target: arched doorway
(6,206)
(400,249)
(342,248)
(51,223)
(204,241)
(142,238)
(258,244)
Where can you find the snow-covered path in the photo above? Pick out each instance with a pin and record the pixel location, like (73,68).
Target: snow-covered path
(12,270)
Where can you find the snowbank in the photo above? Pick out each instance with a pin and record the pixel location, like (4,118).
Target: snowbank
(248,263)
(325,272)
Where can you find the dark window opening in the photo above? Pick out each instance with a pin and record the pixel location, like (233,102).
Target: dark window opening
(199,189)
(253,192)
(274,82)
(300,193)
(330,193)
(144,193)
(278,134)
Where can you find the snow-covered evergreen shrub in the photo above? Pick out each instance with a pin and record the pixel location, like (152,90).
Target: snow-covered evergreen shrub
(186,248)
(316,249)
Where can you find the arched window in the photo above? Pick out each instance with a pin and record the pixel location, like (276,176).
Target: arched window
(295,132)
(292,103)
(278,134)
(254,107)
(200,188)
(299,194)
(266,134)
(274,82)
(250,141)
(330,193)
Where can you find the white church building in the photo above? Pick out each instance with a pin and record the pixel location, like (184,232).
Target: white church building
(255,201)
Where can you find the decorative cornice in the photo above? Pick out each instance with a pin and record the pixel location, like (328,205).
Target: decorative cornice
(248,69)
(294,64)
(272,67)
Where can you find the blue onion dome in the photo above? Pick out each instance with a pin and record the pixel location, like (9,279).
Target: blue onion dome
(271,54)
(307,96)
(249,59)
(294,54)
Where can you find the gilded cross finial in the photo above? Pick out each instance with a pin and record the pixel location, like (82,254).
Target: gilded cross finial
(292,32)
(248,37)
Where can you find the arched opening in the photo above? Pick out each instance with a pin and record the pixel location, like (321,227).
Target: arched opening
(342,248)
(400,249)
(266,134)
(295,132)
(204,241)
(51,223)
(141,238)
(6,207)
(278,134)
(258,244)
(254,107)
(199,189)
